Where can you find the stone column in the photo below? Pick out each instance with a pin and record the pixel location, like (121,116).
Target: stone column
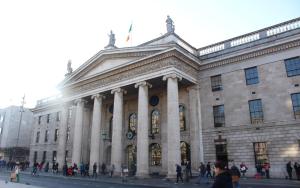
(201,153)
(194,127)
(116,148)
(142,130)
(62,137)
(77,138)
(173,128)
(95,133)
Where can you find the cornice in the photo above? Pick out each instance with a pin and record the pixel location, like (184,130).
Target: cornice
(251,55)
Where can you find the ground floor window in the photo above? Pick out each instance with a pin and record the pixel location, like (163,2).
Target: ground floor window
(185,152)
(260,153)
(35,156)
(221,153)
(44,156)
(155,154)
(54,156)
(131,156)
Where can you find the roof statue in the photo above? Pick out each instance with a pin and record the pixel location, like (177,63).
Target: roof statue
(112,40)
(170,25)
(69,68)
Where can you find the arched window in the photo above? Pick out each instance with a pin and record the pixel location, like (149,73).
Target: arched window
(185,152)
(110,127)
(155,154)
(132,122)
(131,156)
(182,118)
(155,122)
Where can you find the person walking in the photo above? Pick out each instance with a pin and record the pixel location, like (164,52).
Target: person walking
(17,172)
(297,170)
(289,169)
(208,172)
(95,170)
(267,169)
(243,169)
(112,169)
(189,169)
(178,173)
(103,168)
(235,175)
(223,178)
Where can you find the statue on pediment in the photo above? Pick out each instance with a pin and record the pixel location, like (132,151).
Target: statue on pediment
(69,68)
(112,40)
(170,25)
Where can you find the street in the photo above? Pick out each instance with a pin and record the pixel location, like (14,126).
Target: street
(57,181)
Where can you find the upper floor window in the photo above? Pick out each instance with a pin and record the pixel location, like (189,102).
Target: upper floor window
(48,118)
(70,113)
(256,111)
(251,76)
(219,116)
(296,104)
(155,121)
(132,122)
(182,118)
(37,139)
(216,83)
(46,135)
(68,133)
(55,135)
(292,66)
(57,116)
(40,119)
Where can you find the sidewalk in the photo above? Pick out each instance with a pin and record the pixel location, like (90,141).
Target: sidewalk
(161,181)
(4,184)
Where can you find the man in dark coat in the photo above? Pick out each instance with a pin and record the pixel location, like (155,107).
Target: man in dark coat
(179,173)
(289,169)
(223,177)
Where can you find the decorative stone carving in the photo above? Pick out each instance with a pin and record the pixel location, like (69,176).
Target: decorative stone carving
(69,68)
(118,90)
(143,84)
(170,25)
(112,40)
(173,76)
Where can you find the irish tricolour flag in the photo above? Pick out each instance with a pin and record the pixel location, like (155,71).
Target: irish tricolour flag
(129,33)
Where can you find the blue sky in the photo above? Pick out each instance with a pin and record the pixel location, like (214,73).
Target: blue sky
(38,37)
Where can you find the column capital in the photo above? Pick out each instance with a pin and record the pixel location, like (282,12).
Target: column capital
(98,95)
(142,83)
(173,76)
(118,90)
(77,101)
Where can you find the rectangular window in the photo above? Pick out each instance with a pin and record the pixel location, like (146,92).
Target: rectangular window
(219,116)
(46,135)
(66,156)
(44,156)
(251,76)
(48,118)
(260,152)
(296,104)
(55,135)
(57,116)
(40,119)
(256,111)
(37,139)
(292,66)
(54,156)
(35,156)
(216,83)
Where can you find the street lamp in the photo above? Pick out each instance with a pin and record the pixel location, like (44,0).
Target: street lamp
(19,125)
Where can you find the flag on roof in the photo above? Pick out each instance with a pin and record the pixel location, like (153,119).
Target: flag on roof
(129,33)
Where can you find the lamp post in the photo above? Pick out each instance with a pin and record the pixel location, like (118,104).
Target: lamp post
(19,125)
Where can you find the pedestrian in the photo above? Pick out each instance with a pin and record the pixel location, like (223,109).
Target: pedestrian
(17,172)
(243,168)
(289,169)
(103,168)
(297,170)
(186,173)
(47,167)
(65,169)
(112,169)
(223,178)
(178,173)
(95,170)
(235,175)
(208,171)
(267,169)
(189,168)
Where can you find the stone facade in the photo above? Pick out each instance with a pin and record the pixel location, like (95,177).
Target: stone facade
(151,106)
(12,145)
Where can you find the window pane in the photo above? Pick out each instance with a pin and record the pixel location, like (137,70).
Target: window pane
(296,104)
(182,118)
(216,83)
(155,122)
(251,76)
(256,111)
(292,66)
(132,122)
(260,153)
(219,116)
(155,153)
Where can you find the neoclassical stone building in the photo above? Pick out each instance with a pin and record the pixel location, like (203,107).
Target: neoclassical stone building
(165,102)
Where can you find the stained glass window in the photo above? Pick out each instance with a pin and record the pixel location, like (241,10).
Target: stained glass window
(182,118)
(185,152)
(155,122)
(155,153)
(132,122)
(260,152)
